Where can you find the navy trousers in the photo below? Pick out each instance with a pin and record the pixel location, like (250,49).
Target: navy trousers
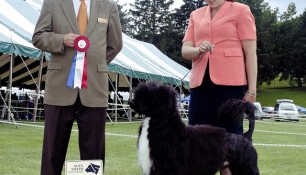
(207,98)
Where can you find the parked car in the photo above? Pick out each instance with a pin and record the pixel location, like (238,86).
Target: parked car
(258,112)
(268,110)
(286,110)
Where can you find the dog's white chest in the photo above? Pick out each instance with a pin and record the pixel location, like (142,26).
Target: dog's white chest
(144,160)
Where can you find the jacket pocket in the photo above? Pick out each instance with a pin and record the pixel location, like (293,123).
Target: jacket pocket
(53,65)
(102,68)
(233,53)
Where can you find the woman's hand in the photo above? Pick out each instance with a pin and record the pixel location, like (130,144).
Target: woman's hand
(250,97)
(206,47)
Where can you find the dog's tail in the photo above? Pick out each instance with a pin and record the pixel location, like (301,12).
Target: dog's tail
(250,112)
(234,111)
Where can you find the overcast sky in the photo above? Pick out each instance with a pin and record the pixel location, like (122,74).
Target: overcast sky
(281,4)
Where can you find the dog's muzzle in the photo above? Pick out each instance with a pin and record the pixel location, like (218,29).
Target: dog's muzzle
(132,104)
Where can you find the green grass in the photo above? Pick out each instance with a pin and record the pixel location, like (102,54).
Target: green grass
(267,95)
(286,151)
(281,147)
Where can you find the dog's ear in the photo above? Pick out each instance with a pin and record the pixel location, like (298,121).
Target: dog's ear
(140,93)
(167,101)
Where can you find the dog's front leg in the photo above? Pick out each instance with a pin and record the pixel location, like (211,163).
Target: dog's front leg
(144,159)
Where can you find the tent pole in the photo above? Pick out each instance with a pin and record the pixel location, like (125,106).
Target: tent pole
(8,92)
(3,108)
(116,97)
(128,79)
(180,99)
(130,97)
(5,105)
(38,86)
(9,88)
(2,98)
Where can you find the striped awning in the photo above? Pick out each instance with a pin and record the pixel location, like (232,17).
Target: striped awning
(137,59)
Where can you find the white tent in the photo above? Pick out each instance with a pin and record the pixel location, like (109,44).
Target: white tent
(23,65)
(137,59)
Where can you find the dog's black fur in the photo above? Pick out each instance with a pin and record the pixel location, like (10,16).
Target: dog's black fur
(177,149)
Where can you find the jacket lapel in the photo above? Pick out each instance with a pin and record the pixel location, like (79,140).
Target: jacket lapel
(222,11)
(68,9)
(93,17)
(206,14)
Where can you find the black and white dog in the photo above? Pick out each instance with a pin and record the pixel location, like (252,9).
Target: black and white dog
(166,146)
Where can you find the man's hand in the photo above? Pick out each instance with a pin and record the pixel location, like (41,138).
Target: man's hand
(69,39)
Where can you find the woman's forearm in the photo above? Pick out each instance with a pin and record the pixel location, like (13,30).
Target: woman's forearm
(189,52)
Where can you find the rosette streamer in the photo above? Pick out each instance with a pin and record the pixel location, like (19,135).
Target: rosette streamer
(78,71)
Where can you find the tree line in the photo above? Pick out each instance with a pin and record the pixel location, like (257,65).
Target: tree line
(281,37)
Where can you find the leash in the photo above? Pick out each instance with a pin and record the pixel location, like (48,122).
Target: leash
(210,50)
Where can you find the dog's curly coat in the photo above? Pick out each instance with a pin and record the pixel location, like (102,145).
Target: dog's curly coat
(166,146)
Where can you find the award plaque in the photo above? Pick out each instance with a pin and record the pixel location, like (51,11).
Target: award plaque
(84,167)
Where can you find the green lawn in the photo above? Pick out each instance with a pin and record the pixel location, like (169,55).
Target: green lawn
(281,147)
(267,95)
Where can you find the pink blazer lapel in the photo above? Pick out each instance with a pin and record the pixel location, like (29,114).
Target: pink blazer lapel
(221,11)
(207,14)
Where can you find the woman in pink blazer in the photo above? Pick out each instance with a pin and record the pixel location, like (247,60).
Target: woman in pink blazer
(221,43)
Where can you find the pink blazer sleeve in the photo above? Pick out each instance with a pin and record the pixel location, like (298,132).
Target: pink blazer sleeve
(189,35)
(245,25)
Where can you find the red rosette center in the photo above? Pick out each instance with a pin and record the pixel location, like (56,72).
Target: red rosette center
(81,44)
